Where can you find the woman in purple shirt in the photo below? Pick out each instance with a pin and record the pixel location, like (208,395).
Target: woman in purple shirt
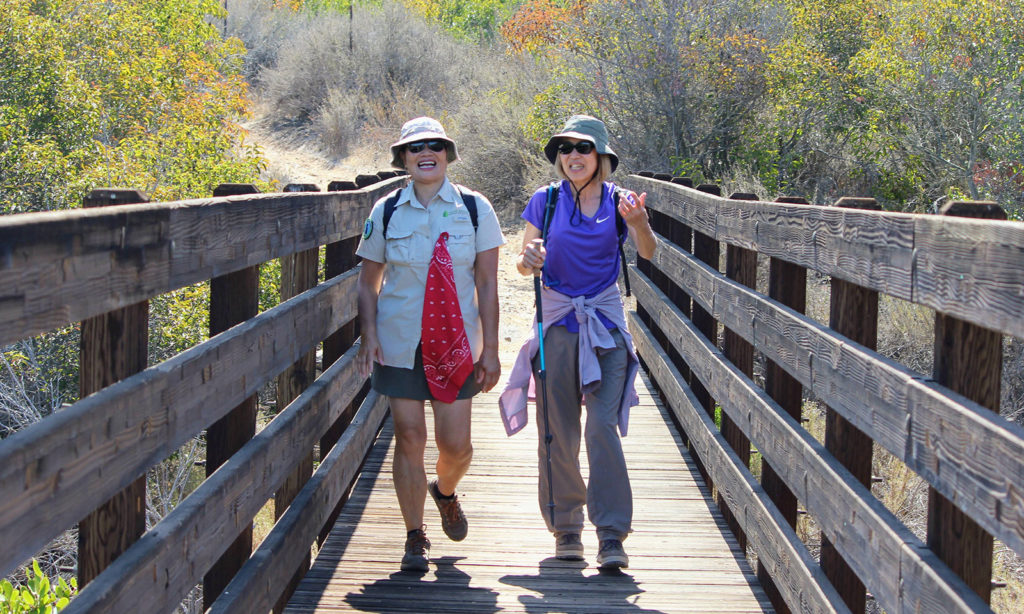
(588,350)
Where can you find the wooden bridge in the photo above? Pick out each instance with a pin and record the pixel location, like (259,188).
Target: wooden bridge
(703,314)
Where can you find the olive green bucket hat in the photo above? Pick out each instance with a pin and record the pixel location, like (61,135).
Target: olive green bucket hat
(585,128)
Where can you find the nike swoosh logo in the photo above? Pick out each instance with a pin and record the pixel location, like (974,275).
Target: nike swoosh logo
(602,219)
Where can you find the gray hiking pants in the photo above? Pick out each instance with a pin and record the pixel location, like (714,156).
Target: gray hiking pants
(607,494)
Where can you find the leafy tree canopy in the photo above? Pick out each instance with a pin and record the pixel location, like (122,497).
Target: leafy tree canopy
(133,93)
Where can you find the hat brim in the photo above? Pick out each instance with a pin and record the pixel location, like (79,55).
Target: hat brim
(551,149)
(396,147)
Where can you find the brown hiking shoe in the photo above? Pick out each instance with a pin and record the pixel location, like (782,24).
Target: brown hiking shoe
(453,521)
(612,555)
(417,551)
(569,547)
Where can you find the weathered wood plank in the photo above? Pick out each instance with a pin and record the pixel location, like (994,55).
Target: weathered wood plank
(259,584)
(873,249)
(797,574)
(853,312)
(868,536)
(883,399)
(234,298)
(173,556)
(74,460)
(966,268)
(682,558)
(62,267)
(971,269)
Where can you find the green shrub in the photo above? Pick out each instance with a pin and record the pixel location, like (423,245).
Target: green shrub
(38,595)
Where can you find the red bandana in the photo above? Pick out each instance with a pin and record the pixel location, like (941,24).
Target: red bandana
(447,358)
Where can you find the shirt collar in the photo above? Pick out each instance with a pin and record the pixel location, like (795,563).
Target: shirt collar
(447,193)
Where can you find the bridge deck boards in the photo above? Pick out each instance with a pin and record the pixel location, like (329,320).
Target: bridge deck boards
(682,558)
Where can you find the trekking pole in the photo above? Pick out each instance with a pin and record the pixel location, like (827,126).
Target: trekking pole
(543,377)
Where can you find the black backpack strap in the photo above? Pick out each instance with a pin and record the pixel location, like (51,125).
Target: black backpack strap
(389,210)
(392,202)
(470,201)
(620,226)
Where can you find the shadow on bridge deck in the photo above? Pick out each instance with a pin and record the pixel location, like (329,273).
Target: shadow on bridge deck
(682,558)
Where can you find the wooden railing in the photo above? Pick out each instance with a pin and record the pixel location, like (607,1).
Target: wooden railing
(945,427)
(87,463)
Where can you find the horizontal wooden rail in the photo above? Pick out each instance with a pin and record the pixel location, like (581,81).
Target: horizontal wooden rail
(259,583)
(57,268)
(899,569)
(967,268)
(77,458)
(798,575)
(964,269)
(981,455)
(161,568)
(60,267)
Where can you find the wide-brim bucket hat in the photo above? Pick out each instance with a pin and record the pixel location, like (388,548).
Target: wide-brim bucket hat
(585,128)
(421,129)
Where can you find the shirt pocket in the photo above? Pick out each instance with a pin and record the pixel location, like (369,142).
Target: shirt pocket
(462,244)
(400,246)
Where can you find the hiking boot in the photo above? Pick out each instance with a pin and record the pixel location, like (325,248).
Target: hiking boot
(612,555)
(568,547)
(453,521)
(417,551)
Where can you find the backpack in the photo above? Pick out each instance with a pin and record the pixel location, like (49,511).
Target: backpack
(620,225)
(392,202)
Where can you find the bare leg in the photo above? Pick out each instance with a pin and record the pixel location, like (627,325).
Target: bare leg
(408,471)
(454,443)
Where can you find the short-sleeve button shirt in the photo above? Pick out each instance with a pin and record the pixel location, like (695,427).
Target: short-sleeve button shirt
(412,231)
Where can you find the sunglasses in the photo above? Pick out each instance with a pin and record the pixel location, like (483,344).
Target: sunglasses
(434,145)
(584,147)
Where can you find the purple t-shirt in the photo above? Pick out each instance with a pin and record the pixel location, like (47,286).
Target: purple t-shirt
(582,252)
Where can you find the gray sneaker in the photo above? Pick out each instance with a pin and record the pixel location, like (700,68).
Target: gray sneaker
(417,551)
(453,521)
(612,555)
(568,547)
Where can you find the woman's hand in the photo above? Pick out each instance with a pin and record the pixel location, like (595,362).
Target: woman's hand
(634,212)
(369,353)
(533,255)
(632,209)
(487,370)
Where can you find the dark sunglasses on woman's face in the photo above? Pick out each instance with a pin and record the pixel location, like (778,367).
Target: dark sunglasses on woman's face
(435,145)
(584,147)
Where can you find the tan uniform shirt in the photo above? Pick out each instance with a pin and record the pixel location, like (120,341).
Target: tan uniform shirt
(412,232)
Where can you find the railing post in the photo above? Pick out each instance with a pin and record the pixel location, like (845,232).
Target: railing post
(787,283)
(234,298)
(740,266)
(339,258)
(707,250)
(968,360)
(298,274)
(682,236)
(114,346)
(853,312)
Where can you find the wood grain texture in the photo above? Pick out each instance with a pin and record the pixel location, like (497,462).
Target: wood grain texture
(260,583)
(981,455)
(682,558)
(867,535)
(61,267)
(963,267)
(173,556)
(799,578)
(71,462)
